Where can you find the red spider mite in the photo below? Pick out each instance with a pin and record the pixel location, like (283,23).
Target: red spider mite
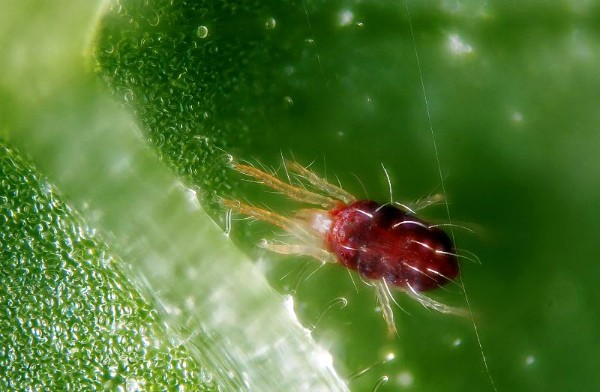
(387,245)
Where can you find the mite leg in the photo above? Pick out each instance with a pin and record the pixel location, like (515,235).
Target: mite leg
(299,194)
(291,226)
(433,304)
(330,189)
(259,213)
(421,204)
(298,249)
(383,296)
(428,201)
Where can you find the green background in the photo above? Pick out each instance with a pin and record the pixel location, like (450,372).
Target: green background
(130,109)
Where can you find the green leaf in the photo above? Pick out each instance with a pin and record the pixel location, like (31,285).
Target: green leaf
(71,319)
(511,102)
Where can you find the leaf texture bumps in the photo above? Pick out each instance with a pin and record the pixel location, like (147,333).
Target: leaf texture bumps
(69,318)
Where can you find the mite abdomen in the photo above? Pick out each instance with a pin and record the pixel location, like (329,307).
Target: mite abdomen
(386,242)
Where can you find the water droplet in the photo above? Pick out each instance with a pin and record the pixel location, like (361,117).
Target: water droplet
(529,360)
(289,70)
(405,378)
(271,23)
(128,96)
(155,20)
(345,17)
(133,385)
(36,332)
(202,31)
(458,46)
(517,117)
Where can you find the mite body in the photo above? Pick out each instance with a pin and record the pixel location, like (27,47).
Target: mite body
(386,244)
